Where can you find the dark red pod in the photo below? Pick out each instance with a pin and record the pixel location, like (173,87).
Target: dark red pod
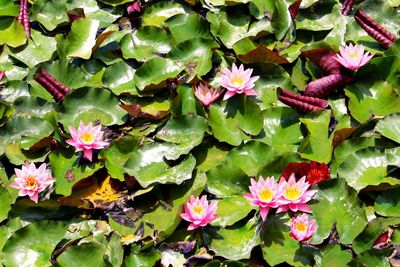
(383,241)
(381,39)
(294,9)
(60,86)
(311,100)
(324,59)
(301,103)
(23,17)
(323,87)
(50,88)
(375,25)
(347,6)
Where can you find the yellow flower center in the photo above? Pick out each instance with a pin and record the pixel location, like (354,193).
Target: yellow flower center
(301,227)
(353,54)
(237,81)
(265,194)
(87,137)
(31,182)
(198,209)
(292,192)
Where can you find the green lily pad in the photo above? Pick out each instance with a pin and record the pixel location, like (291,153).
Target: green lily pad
(390,127)
(188,26)
(156,14)
(6,110)
(349,147)
(281,127)
(32,106)
(333,255)
(187,132)
(148,166)
(328,208)
(143,259)
(68,74)
(235,243)
(231,119)
(388,202)
(17,156)
(367,167)
(317,145)
(50,15)
(119,77)
(89,105)
(155,71)
(196,54)
(64,166)
(145,43)
(39,49)
(81,38)
(29,246)
(27,130)
(8,8)
(11,33)
(231,209)
(5,203)
(281,20)
(83,255)
(118,154)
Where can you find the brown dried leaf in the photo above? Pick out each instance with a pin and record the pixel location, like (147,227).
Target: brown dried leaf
(94,192)
(262,54)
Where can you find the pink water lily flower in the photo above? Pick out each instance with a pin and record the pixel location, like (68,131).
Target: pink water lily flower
(295,194)
(133,7)
(265,194)
(198,212)
(31,181)
(238,81)
(301,228)
(87,138)
(206,94)
(353,57)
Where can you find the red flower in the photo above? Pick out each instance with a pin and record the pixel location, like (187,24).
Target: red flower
(314,172)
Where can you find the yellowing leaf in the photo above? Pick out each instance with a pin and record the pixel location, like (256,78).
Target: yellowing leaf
(93,192)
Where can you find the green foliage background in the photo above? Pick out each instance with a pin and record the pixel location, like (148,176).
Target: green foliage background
(174,147)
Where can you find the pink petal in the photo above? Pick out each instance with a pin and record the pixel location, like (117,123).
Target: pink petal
(264,212)
(87,153)
(228,95)
(35,197)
